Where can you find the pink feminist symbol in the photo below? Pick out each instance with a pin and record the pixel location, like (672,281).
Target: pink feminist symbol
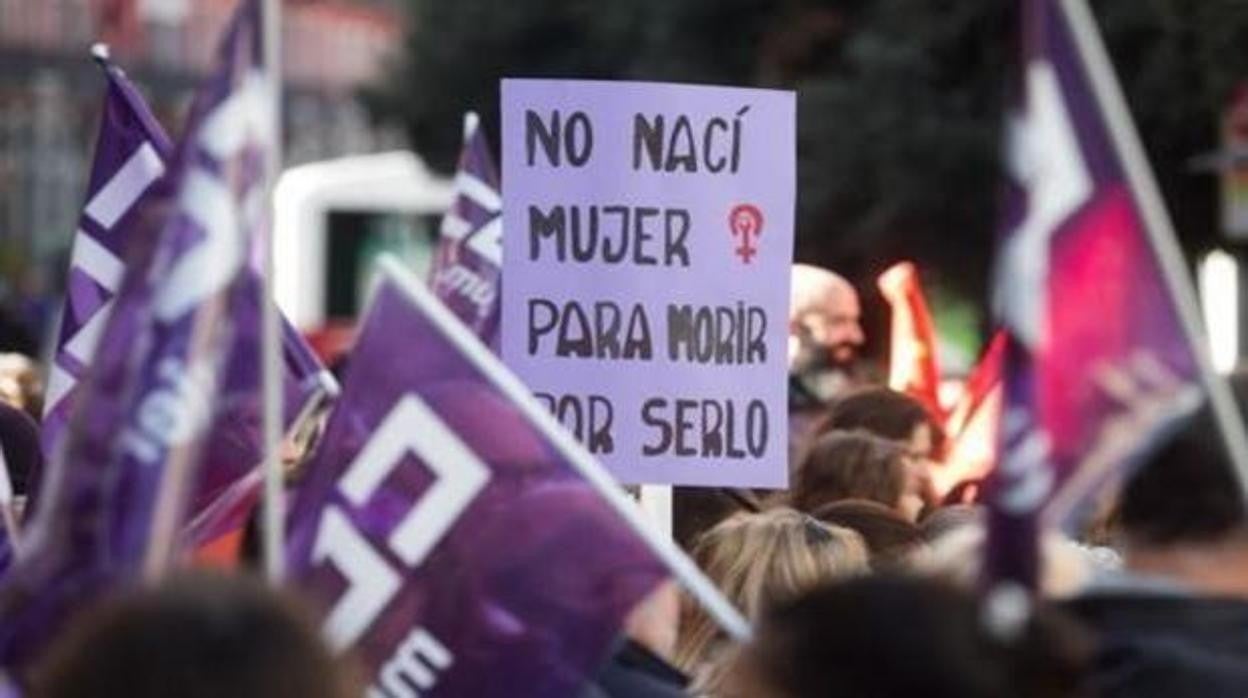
(746,223)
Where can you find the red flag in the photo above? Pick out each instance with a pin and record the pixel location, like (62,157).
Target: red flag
(973,424)
(912,366)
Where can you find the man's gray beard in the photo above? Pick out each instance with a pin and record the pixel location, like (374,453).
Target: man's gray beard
(829,383)
(823,377)
(814,359)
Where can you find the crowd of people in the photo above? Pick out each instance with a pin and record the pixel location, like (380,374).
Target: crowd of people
(859,580)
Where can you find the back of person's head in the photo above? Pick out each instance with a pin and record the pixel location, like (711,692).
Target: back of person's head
(19,439)
(891,539)
(850,465)
(883,412)
(1184,493)
(196,637)
(1066,567)
(760,559)
(898,637)
(943,520)
(20,383)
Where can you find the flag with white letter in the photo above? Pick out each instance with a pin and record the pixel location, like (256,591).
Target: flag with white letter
(467,271)
(112,513)
(1103,354)
(457,540)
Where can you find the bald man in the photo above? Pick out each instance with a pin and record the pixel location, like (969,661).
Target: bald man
(825,332)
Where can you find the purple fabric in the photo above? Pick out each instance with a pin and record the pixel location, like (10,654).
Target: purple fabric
(113,510)
(129,135)
(525,588)
(1097,369)
(467,271)
(236,447)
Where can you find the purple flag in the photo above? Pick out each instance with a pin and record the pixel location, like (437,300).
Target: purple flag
(446,526)
(131,155)
(237,445)
(112,510)
(1098,366)
(467,271)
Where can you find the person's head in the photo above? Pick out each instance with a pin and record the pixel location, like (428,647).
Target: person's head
(946,519)
(892,540)
(192,636)
(760,559)
(887,414)
(1184,494)
(20,383)
(892,636)
(824,319)
(19,439)
(1182,515)
(854,465)
(1066,568)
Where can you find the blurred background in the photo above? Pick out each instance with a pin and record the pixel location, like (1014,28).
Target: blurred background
(900,115)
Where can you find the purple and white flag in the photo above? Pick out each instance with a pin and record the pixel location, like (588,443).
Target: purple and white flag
(130,156)
(450,531)
(132,152)
(467,271)
(112,512)
(1098,366)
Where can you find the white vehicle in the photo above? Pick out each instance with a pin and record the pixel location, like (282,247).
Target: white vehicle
(334,217)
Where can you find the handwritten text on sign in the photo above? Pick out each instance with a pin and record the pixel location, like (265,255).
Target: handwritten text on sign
(646,266)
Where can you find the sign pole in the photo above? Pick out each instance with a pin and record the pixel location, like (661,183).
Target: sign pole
(656,501)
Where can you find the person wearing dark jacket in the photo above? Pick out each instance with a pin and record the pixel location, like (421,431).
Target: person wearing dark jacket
(1175,623)
(638,666)
(635,672)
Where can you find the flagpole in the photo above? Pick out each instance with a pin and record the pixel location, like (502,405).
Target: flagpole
(1157,222)
(270,332)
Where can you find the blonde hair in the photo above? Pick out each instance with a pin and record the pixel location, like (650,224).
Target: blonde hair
(760,559)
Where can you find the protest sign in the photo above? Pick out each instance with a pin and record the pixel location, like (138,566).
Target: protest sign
(454,537)
(647,268)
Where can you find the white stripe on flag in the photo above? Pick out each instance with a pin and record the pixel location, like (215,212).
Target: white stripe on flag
(488,242)
(60,382)
(82,345)
(95,259)
(483,194)
(126,186)
(454,227)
